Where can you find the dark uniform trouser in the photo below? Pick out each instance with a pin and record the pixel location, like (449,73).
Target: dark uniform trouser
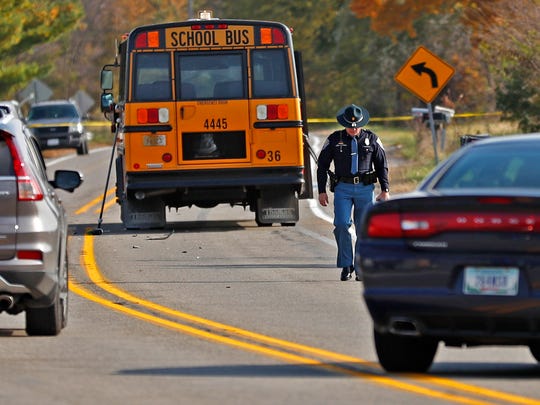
(346,198)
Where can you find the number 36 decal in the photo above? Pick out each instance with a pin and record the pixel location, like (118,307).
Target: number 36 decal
(273,155)
(215,123)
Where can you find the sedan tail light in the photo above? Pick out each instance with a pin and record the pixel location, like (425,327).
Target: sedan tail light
(423,225)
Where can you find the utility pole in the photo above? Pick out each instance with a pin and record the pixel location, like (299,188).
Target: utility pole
(190,9)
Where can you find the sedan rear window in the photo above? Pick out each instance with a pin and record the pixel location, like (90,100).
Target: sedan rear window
(493,168)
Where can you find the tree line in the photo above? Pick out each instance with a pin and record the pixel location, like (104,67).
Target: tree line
(351,49)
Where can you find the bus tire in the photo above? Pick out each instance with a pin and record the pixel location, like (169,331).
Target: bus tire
(259,223)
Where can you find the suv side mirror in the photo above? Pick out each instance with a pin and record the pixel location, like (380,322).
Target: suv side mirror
(67,180)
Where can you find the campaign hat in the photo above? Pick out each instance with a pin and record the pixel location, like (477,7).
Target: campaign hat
(353,116)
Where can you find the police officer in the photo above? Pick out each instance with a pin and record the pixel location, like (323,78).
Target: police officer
(359,160)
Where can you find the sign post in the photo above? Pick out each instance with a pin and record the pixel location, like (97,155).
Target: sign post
(425,75)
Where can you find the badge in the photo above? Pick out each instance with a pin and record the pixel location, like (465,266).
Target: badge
(341,145)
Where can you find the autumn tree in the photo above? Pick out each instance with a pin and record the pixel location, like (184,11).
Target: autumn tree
(25,24)
(513,53)
(80,56)
(502,57)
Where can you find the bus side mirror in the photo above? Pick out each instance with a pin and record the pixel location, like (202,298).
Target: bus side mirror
(106,79)
(107,102)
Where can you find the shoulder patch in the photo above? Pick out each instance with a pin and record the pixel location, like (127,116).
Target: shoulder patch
(326,143)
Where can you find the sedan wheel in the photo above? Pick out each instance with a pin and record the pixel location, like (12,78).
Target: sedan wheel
(404,353)
(535,350)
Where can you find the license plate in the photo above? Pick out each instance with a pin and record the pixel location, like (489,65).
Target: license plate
(53,142)
(154,140)
(491,281)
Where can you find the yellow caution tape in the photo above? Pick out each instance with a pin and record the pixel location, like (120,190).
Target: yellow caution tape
(402,118)
(333,120)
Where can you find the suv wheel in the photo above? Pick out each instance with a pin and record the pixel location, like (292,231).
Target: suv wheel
(82,149)
(404,353)
(45,321)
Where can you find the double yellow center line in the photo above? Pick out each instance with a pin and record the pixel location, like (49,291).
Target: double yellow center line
(294,353)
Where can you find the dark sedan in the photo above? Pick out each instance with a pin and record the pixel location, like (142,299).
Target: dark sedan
(458,260)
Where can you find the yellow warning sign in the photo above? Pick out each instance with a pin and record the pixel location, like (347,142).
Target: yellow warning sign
(424,74)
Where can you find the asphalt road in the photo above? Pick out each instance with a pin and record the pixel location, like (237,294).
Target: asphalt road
(215,310)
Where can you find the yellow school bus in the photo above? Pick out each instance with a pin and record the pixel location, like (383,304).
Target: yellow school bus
(206,112)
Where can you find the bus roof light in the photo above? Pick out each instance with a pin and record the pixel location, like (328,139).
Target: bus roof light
(197,27)
(272,36)
(141,40)
(153,39)
(278,36)
(205,14)
(148,39)
(266,36)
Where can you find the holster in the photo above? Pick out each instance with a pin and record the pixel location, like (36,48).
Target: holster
(333,180)
(369,177)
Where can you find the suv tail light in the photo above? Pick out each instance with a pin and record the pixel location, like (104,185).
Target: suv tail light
(28,188)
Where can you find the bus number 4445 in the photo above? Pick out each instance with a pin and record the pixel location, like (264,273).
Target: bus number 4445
(215,123)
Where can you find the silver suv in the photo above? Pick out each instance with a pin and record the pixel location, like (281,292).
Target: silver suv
(33,231)
(58,124)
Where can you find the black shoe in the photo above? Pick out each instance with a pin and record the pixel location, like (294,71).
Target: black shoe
(346,273)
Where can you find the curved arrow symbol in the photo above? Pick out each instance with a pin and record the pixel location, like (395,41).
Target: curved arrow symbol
(421,68)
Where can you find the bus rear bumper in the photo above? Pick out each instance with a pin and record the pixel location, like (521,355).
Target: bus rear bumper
(222,178)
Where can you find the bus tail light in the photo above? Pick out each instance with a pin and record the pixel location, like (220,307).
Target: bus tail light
(261,154)
(148,39)
(272,112)
(166,157)
(152,115)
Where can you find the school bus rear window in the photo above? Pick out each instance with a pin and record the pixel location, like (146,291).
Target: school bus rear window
(216,76)
(153,76)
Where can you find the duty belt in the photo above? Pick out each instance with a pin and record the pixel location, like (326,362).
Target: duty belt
(351,180)
(364,178)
